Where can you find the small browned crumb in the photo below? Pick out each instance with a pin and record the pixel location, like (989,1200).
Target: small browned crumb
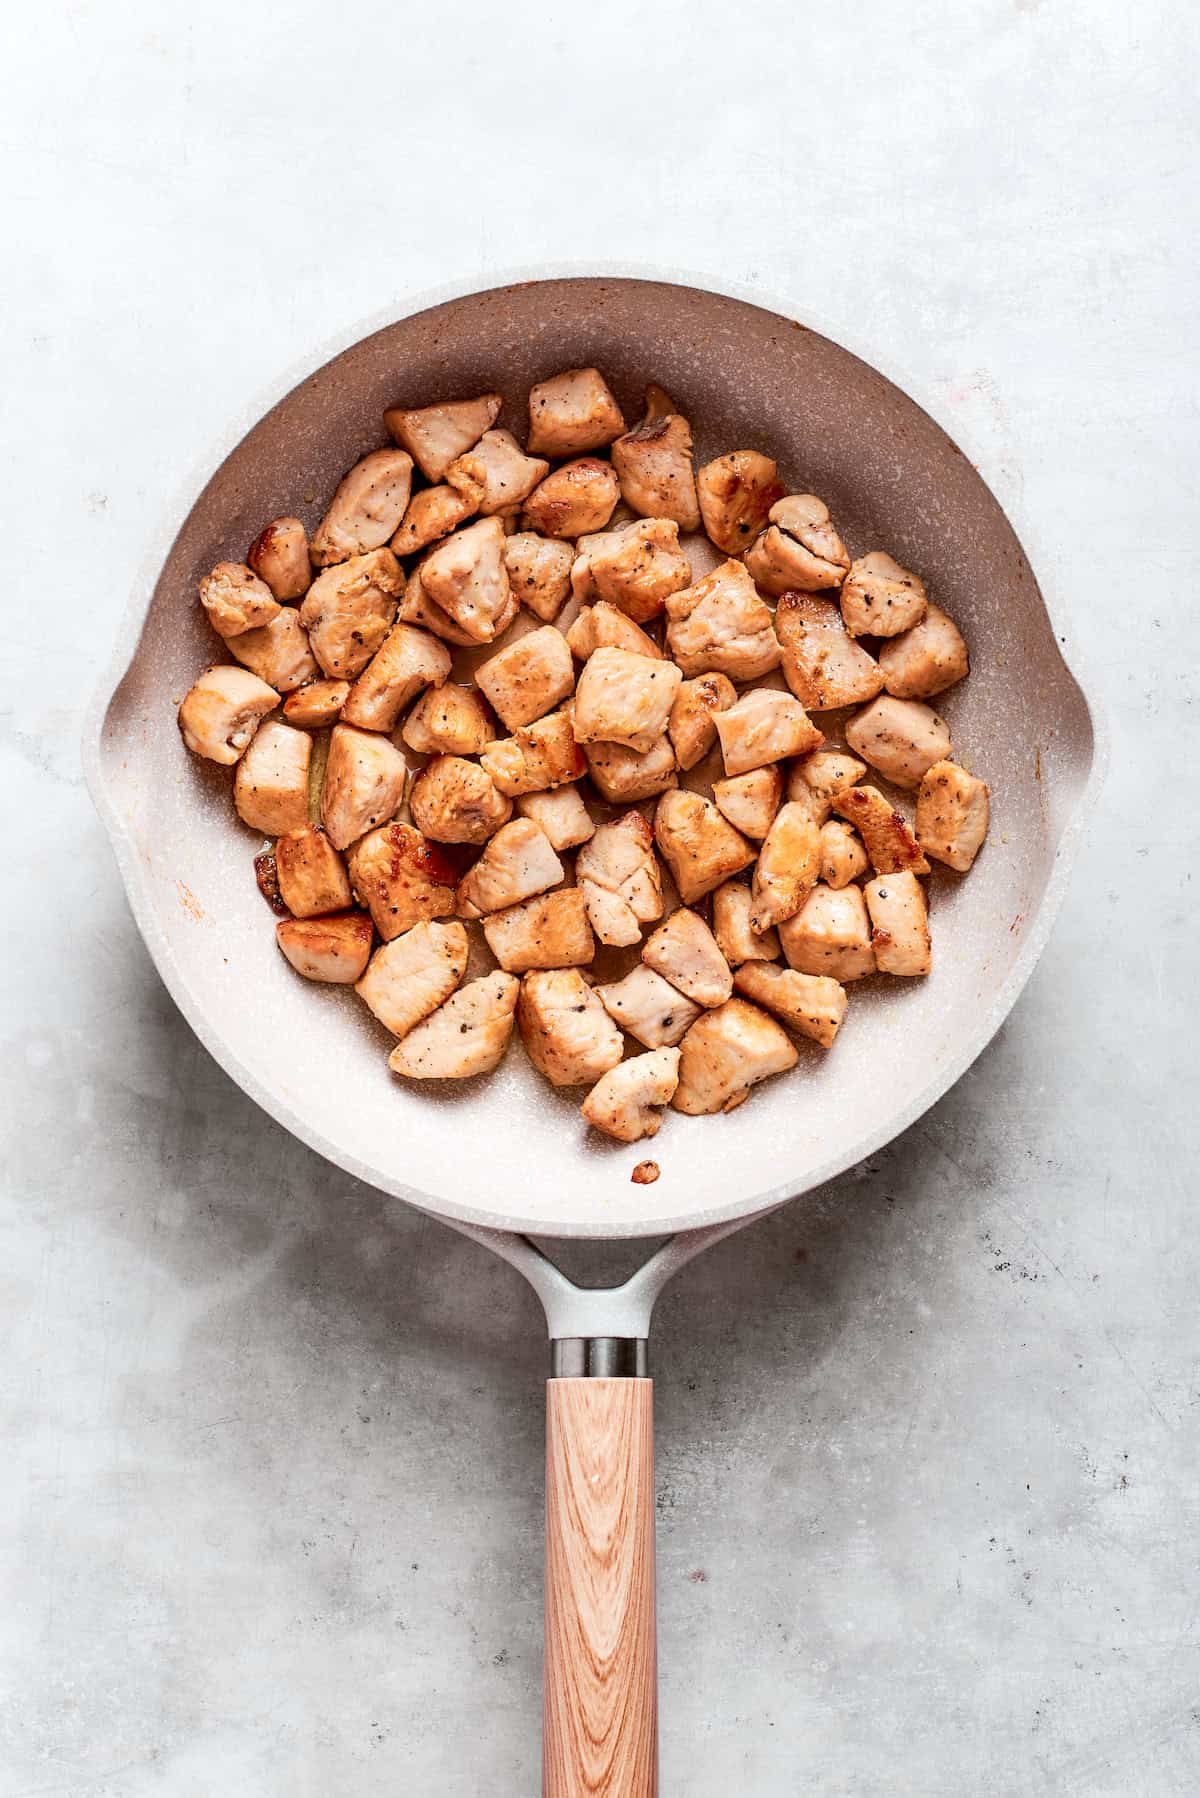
(645,1173)
(266,873)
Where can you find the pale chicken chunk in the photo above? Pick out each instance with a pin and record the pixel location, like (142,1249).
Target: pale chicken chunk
(899,924)
(649,1008)
(952,815)
(736,494)
(626,776)
(926,659)
(733,903)
(312,875)
(817,779)
(414,974)
(464,1037)
(886,833)
(456,801)
(436,435)
(578,497)
(407,660)
(568,1035)
(725,1053)
(278,652)
(517,863)
(236,600)
(363,784)
(562,815)
(279,556)
(788,867)
(830,935)
(700,847)
(604,626)
(349,609)
(449,720)
(722,626)
(541,755)
(367,507)
(620,879)
(764,726)
(636,567)
(433,513)
(811,1004)
(402,878)
(654,464)
(332,949)
(880,598)
(685,952)
(539,572)
(800,549)
(270,788)
(571,413)
(900,737)
(750,801)
(220,714)
(549,931)
(843,857)
(822,664)
(626,1103)
(417,608)
(467,578)
(624,698)
(693,722)
(499,471)
(317,705)
(527,679)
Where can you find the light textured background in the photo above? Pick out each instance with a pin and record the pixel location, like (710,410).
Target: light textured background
(270,1485)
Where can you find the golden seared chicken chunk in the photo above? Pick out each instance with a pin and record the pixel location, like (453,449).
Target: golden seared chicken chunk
(541,755)
(401,878)
(899,924)
(881,599)
(562,815)
(363,785)
(649,1007)
(278,652)
(236,600)
(817,779)
(604,626)
(685,952)
(436,435)
(799,550)
(270,788)
(654,464)
(349,609)
(407,660)
(811,1004)
(823,665)
(449,720)
(843,857)
(571,413)
(312,875)
(333,949)
(464,1037)
(414,974)
(549,931)
(700,847)
(624,698)
(580,496)
(456,801)
(317,705)
(900,737)
(886,833)
(733,903)
(366,509)
(517,863)
(725,1053)
(750,801)
(736,494)
(499,472)
(926,659)
(417,608)
(528,678)
(764,726)
(433,513)
(279,556)
(788,867)
(568,1035)
(722,626)
(952,815)
(627,776)
(636,567)
(467,578)
(626,1103)
(221,713)
(830,935)
(620,879)
(693,721)
(539,572)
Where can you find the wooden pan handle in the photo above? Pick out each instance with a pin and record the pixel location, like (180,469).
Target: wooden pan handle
(600,1730)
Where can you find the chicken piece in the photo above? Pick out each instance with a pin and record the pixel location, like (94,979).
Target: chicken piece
(693,722)
(549,931)
(407,660)
(433,513)
(627,776)
(636,567)
(926,659)
(464,1037)
(349,609)
(654,464)
(626,1103)
(885,832)
(578,497)
(843,857)
(800,549)
(725,1053)
(721,626)
(367,507)
(312,875)
(604,626)
(736,493)
(900,737)
(788,867)
(517,863)
(401,878)
(467,578)
(363,785)
(219,716)
(266,879)
(750,801)
(830,935)
(317,705)
(764,726)
(436,435)
(417,608)
(500,471)
(448,720)
(539,572)
(624,698)
(732,904)
(952,815)
(817,779)
(456,801)
(685,952)
(279,556)
(823,665)
(568,1035)
(899,924)
(541,755)
(700,847)
(562,815)
(620,879)
(881,599)
(236,600)
(529,678)
(270,788)
(571,413)
(278,652)
(333,949)
(811,1004)
(414,974)
(649,1008)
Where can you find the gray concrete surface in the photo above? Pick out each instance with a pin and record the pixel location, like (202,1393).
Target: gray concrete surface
(270,1481)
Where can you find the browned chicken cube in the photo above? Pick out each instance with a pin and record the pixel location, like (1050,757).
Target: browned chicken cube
(568,1035)
(811,1004)
(220,714)
(333,949)
(363,785)
(800,549)
(517,863)
(685,952)
(449,720)
(349,610)
(562,815)
(497,474)
(417,608)
(722,626)
(456,801)
(817,779)
(649,1008)
(317,705)
(270,788)
(407,660)
(312,875)
(541,755)
(693,723)
(654,464)
(725,1053)
(899,924)
(620,879)
(604,626)
(467,578)
(436,435)
(571,413)
(843,857)
(528,678)
(886,833)
(578,497)
(464,1037)
(900,737)
(548,931)
(236,600)
(823,665)
(433,513)
(626,1103)
(733,903)
(926,659)
(367,507)
(750,801)
(788,867)
(952,815)
(830,935)
(626,776)
(636,567)
(413,974)
(881,599)
(764,726)
(402,878)
(736,494)
(700,847)
(539,572)
(278,652)
(623,698)
(279,556)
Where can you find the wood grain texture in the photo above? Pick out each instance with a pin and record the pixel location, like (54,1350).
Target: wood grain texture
(600,1728)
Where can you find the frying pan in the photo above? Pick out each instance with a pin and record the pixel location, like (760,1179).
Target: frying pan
(507,1160)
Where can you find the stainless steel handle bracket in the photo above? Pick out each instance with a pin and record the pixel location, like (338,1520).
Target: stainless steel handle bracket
(599,1358)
